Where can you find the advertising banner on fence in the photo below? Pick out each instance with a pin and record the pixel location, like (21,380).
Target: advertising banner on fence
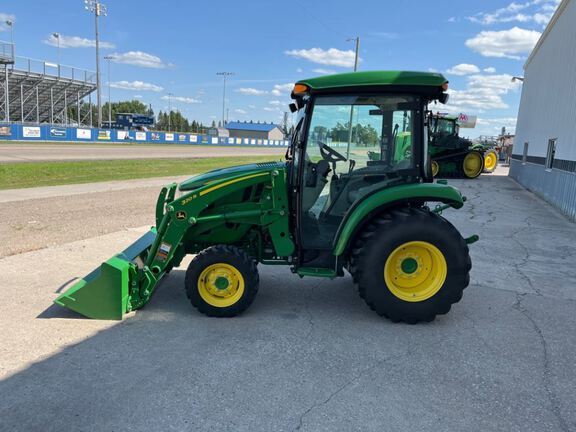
(104,135)
(193,138)
(140,136)
(83,133)
(5,131)
(31,132)
(182,138)
(154,136)
(56,132)
(169,137)
(214,140)
(123,135)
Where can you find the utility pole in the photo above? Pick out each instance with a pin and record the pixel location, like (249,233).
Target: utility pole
(224,75)
(10,24)
(357,40)
(97,9)
(108,58)
(169,111)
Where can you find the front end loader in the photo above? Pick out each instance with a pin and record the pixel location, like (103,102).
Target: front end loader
(358,197)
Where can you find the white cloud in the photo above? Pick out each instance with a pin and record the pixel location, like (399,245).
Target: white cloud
(324,71)
(6,17)
(489,70)
(271,109)
(299,70)
(74,42)
(251,91)
(140,58)
(537,11)
(275,102)
(482,93)
(137,96)
(183,99)
(240,111)
(252,106)
(463,69)
(330,57)
(506,43)
(282,89)
(136,85)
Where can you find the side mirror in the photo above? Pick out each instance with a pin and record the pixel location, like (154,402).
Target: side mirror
(444,98)
(293,107)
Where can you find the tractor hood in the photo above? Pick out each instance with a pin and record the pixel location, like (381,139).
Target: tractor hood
(219,174)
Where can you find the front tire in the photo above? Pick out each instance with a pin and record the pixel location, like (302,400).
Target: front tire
(490,161)
(411,265)
(222,281)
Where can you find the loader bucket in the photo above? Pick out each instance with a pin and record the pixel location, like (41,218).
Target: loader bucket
(104,293)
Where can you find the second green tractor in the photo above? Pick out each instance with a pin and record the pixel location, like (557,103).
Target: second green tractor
(328,207)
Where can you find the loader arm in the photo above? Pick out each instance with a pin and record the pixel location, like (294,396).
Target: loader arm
(125,283)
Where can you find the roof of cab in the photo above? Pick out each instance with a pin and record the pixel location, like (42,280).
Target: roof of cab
(375,78)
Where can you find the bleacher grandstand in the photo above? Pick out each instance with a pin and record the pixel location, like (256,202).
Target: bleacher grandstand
(36,91)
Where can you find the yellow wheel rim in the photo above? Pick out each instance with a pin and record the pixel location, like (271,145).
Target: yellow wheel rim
(490,161)
(415,271)
(473,164)
(221,285)
(435,168)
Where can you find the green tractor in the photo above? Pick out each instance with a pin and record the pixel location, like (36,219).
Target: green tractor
(454,156)
(326,208)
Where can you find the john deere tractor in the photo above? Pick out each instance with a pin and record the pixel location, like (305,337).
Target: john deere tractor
(327,208)
(454,156)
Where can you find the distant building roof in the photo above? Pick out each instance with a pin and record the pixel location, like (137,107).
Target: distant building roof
(259,127)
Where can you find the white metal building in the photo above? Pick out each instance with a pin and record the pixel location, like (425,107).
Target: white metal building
(544,155)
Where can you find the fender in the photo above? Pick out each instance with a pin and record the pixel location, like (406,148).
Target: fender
(387,198)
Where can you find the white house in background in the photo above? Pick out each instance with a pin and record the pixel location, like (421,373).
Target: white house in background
(544,154)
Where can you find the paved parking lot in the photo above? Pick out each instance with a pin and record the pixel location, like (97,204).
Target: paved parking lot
(308,355)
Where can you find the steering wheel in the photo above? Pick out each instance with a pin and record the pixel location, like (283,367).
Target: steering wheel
(331,155)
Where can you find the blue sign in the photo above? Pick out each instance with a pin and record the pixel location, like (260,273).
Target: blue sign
(57,132)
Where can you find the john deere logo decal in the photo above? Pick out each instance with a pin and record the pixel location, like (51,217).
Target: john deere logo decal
(181,215)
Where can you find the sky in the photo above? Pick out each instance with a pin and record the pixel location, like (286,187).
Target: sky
(177,47)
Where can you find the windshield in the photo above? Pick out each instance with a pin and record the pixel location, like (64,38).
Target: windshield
(444,126)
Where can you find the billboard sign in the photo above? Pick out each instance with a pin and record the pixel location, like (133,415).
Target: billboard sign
(104,135)
(169,137)
(31,132)
(140,136)
(155,136)
(83,134)
(467,121)
(57,132)
(5,131)
(193,138)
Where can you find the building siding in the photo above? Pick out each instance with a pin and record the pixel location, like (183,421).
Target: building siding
(548,111)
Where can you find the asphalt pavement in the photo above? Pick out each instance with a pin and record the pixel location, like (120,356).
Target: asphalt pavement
(308,355)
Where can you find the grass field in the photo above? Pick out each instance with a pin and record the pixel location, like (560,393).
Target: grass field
(35,174)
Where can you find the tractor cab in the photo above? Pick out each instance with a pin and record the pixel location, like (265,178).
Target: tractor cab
(353,141)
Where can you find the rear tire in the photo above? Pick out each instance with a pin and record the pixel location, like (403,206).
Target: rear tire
(222,281)
(410,265)
(472,164)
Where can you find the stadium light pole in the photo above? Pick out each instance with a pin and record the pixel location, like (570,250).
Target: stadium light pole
(108,58)
(224,75)
(97,9)
(57,37)
(10,24)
